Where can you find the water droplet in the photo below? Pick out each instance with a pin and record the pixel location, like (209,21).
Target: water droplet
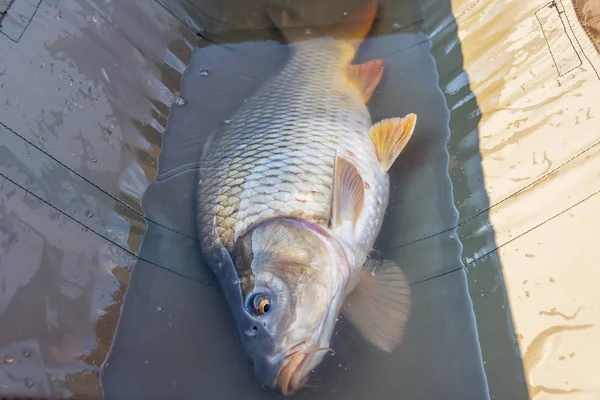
(28,383)
(27,353)
(227,121)
(159,308)
(84,229)
(345,13)
(180,101)
(146,362)
(89,213)
(204,72)
(396,25)
(236,281)
(93,160)
(308,31)
(6,360)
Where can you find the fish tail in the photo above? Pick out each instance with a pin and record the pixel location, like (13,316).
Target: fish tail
(357,25)
(352,30)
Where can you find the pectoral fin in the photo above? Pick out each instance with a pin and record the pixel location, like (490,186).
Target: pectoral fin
(348,193)
(380,304)
(390,136)
(365,77)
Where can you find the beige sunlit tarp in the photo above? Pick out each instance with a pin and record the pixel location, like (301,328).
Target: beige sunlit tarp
(536,75)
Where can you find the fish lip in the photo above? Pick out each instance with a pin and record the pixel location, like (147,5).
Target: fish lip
(287,379)
(293,375)
(292,363)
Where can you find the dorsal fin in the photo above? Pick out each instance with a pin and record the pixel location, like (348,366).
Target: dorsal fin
(348,193)
(390,137)
(365,77)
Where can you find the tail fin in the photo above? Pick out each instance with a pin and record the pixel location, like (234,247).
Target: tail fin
(353,29)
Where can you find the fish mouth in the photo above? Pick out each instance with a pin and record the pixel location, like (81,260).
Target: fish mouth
(292,375)
(289,379)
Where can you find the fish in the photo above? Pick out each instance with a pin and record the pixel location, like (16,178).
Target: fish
(291,197)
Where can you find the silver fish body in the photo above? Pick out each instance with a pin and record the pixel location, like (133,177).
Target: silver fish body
(275,157)
(291,198)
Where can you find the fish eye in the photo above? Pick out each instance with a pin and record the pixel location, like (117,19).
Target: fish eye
(261,303)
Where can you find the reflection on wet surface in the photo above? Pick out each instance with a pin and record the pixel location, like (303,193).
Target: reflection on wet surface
(85,94)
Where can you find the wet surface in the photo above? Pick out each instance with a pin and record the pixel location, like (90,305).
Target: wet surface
(356,367)
(84,95)
(410,85)
(83,113)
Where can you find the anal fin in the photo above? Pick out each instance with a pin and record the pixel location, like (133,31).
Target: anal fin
(390,137)
(366,77)
(348,193)
(379,306)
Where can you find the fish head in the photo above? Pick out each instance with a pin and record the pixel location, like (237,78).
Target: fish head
(292,276)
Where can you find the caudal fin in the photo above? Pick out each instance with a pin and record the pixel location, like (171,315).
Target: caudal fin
(352,29)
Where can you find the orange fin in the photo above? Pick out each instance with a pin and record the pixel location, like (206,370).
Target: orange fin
(379,306)
(348,193)
(366,77)
(353,28)
(357,25)
(390,136)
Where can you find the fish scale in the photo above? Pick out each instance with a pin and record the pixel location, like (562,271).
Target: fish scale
(291,198)
(275,156)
